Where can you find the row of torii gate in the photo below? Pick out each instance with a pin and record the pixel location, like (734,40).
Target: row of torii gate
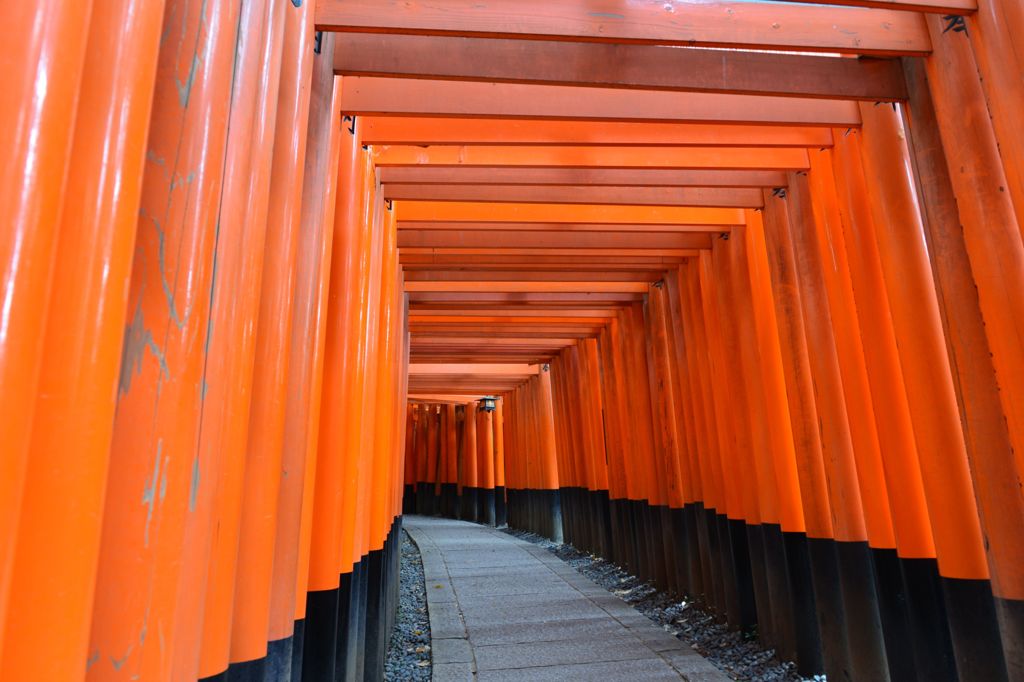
(747,278)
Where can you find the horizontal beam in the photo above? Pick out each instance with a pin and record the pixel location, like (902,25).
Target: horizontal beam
(373,96)
(537,261)
(528,286)
(415,130)
(609,65)
(416,369)
(935,6)
(522,297)
(422,312)
(442,211)
(409,239)
(544,157)
(480,226)
(611,195)
(545,251)
(579,177)
(714,23)
(559,275)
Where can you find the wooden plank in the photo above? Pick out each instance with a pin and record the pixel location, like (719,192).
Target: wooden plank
(561,227)
(443,211)
(609,65)
(527,286)
(553,275)
(373,96)
(575,177)
(415,130)
(611,195)
(415,239)
(664,158)
(416,369)
(713,23)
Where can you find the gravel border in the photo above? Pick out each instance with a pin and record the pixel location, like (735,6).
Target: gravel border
(738,655)
(409,655)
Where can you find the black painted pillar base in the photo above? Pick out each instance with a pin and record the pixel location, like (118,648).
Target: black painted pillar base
(469,504)
(485,511)
(449,500)
(808,655)
(500,507)
(1010,613)
(975,630)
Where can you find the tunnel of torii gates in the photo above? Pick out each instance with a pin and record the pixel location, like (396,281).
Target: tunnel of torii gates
(745,281)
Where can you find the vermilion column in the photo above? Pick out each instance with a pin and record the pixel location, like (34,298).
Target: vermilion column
(1001,502)
(59,528)
(317,144)
(43,48)
(220,460)
(468,468)
(258,530)
(335,484)
(157,425)
(994,34)
(485,467)
(803,419)
(837,449)
(931,396)
(904,643)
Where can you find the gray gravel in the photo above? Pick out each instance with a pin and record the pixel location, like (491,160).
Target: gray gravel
(739,655)
(409,649)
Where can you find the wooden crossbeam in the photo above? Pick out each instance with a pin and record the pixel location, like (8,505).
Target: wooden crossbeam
(636,67)
(715,23)
(370,95)
(444,211)
(530,287)
(541,194)
(559,275)
(577,177)
(491,239)
(416,130)
(654,158)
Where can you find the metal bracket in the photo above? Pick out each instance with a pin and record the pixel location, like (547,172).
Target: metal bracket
(318,40)
(388,205)
(779,192)
(351,128)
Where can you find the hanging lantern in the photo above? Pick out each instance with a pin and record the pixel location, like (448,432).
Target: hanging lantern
(488,403)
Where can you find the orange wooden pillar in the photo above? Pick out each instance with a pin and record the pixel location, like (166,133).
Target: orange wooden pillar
(803,417)
(468,466)
(450,474)
(425,486)
(618,482)
(707,500)
(698,446)
(322,144)
(745,429)
(942,449)
(258,527)
(837,447)
(902,619)
(548,459)
(379,456)
(865,637)
(214,522)
(332,530)
(500,502)
(703,311)
(669,417)
(58,530)
(989,446)
(592,403)
(752,289)
(44,46)
(409,467)
(145,546)
(485,466)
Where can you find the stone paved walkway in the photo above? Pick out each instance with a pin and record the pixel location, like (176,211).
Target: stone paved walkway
(504,609)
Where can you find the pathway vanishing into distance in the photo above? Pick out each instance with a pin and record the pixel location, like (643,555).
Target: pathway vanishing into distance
(504,609)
